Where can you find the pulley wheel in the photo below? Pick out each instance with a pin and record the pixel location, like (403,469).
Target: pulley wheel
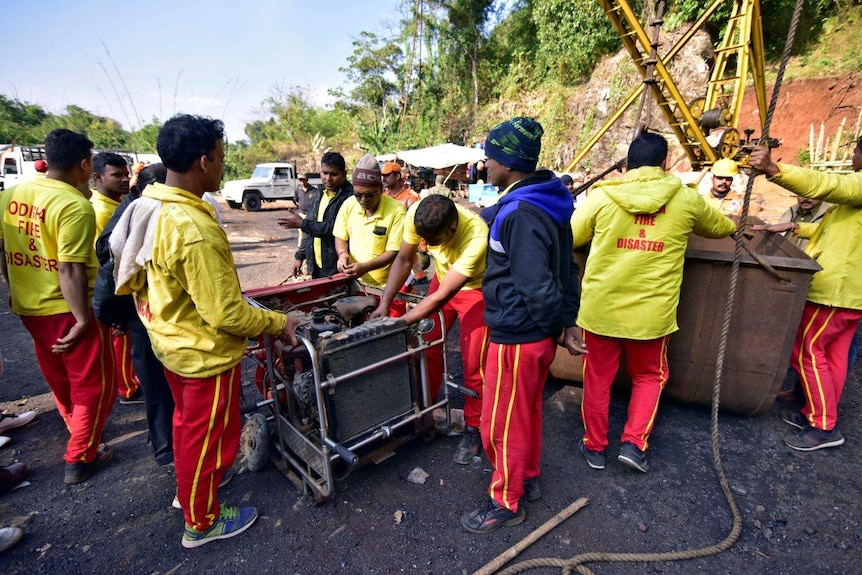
(254,442)
(728,146)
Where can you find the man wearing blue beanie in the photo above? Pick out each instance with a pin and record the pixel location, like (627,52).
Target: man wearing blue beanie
(531,300)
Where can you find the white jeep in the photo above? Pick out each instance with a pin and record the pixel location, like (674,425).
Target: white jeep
(269,182)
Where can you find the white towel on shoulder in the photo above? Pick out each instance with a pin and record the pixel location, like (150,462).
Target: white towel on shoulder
(133,238)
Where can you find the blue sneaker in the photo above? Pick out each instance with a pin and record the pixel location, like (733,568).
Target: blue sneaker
(595,459)
(631,456)
(231,521)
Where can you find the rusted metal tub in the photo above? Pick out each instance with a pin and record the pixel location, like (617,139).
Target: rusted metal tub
(766,315)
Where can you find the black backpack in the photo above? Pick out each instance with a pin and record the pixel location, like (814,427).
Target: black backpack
(111,309)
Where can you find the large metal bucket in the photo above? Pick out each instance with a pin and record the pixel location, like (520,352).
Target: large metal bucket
(766,315)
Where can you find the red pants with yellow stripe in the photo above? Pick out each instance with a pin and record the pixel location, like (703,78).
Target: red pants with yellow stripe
(820,358)
(82,379)
(206,440)
(468,306)
(646,364)
(127,381)
(512,415)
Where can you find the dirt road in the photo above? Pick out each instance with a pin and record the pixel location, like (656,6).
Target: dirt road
(801,511)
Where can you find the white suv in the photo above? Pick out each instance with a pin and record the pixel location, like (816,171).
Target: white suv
(269,182)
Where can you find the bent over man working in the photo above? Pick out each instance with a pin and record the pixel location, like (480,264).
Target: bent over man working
(639,226)
(188,296)
(531,299)
(458,240)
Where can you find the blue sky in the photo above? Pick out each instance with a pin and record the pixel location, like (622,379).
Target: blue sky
(218,58)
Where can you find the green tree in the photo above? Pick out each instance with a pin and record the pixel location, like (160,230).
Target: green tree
(572,36)
(17,119)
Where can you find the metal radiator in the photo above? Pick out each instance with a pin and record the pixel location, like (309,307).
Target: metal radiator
(366,402)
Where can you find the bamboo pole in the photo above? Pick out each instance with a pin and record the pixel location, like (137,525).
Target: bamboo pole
(812,157)
(837,141)
(820,142)
(516,549)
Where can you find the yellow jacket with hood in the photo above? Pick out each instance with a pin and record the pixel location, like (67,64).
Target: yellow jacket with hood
(639,226)
(836,242)
(188,294)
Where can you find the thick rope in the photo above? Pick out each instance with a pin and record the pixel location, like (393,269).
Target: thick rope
(576,563)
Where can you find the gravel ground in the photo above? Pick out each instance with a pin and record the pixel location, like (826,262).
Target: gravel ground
(801,512)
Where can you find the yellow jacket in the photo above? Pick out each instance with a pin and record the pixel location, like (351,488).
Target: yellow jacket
(189,298)
(836,242)
(639,226)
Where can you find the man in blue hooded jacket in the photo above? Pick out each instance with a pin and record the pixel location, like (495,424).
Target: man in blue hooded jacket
(531,301)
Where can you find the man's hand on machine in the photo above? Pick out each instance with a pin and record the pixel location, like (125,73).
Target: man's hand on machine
(288,334)
(381,311)
(571,340)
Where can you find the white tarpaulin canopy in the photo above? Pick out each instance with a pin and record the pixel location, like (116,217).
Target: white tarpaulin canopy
(437,157)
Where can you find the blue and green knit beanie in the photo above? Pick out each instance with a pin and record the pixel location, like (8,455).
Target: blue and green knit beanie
(516,143)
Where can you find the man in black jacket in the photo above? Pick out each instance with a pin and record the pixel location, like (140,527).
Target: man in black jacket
(318,243)
(120,310)
(531,301)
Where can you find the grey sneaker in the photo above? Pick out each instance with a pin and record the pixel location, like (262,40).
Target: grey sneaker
(469,446)
(532,491)
(794,417)
(631,456)
(812,439)
(79,472)
(595,459)
(491,517)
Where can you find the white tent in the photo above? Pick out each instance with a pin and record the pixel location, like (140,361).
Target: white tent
(436,157)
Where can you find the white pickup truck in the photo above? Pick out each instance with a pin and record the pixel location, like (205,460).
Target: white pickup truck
(269,182)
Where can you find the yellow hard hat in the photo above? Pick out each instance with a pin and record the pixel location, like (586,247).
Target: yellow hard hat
(725,168)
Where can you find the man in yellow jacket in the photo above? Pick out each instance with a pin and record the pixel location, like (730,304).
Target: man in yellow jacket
(188,296)
(833,306)
(639,226)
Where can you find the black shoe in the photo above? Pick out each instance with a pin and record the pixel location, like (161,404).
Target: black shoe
(471,441)
(226,478)
(532,491)
(812,439)
(631,456)
(491,517)
(136,398)
(11,476)
(595,459)
(794,417)
(80,471)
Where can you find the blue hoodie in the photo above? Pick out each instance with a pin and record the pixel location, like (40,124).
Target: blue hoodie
(530,285)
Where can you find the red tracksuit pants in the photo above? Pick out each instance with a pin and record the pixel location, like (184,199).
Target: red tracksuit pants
(647,366)
(820,357)
(512,415)
(82,380)
(206,440)
(468,306)
(127,381)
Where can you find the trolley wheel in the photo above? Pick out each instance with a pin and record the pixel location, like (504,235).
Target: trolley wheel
(254,442)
